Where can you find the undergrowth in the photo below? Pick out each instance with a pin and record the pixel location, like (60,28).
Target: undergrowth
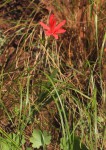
(52,92)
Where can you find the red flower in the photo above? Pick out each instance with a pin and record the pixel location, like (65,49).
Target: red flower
(52,29)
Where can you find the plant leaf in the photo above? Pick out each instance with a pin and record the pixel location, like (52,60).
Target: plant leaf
(46,138)
(4,145)
(40,138)
(36,139)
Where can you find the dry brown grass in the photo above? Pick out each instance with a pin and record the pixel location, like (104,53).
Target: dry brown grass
(74,55)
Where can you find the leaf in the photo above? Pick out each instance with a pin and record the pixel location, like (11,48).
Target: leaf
(4,146)
(36,139)
(28,148)
(62,143)
(40,138)
(46,138)
(78,145)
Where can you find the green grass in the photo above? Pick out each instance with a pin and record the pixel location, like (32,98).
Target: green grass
(53,89)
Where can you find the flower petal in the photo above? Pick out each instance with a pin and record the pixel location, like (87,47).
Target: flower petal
(55,36)
(48,33)
(52,22)
(44,26)
(60,31)
(59,25)
(51,18)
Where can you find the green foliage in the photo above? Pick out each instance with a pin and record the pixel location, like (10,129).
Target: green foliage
(28,148)
(12,142)
(76,144)
(17,139)
(73,74)
(40,138)
(4,145)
